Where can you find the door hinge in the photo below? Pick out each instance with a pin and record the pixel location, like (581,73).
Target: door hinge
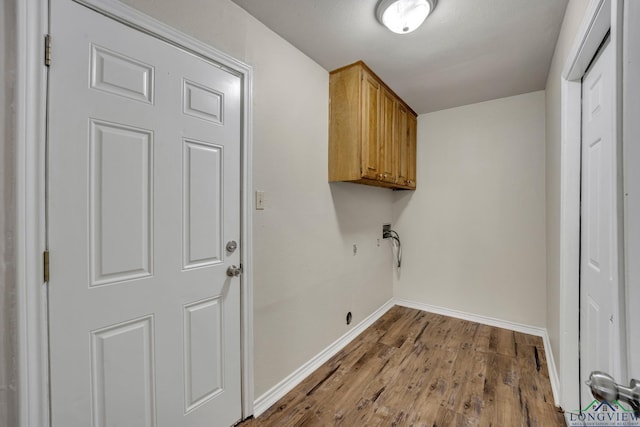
(45,266)
(47,50)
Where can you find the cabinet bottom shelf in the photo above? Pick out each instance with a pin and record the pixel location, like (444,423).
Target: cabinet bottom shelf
(376,183)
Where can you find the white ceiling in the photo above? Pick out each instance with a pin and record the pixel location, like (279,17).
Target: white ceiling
(467,51)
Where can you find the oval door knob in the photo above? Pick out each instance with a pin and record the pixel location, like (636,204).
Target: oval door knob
(232,246)
(234,271)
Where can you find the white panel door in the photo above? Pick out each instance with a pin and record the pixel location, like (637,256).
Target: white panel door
(599,331)
(144,194)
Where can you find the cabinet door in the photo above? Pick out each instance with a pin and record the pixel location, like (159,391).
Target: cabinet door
(370,127)
(411,171)
(402,144)
(387,137)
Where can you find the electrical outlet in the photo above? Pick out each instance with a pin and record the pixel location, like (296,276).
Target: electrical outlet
(385,230)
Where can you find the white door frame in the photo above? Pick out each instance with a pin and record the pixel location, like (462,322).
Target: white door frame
(631,147)
(601,17)
(33,357)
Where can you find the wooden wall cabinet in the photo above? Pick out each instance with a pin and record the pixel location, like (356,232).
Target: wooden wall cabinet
(372,132)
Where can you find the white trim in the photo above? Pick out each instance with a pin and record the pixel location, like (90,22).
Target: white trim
(620,364)
(600,16)
(478,318)
(593,28)
(597,21)
(499,323)
(631,146)
(31,113)
(30,119)
(554,379)
(246,249)
(569,346)
(276,392)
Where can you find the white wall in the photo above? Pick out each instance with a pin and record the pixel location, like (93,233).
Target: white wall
(8,344)
(473,233)
(572,19)
(306,277)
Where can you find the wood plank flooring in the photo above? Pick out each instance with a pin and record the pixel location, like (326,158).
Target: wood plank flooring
(413,368)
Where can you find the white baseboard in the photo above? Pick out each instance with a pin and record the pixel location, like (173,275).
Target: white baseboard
(499,323)
(275,393)
(553,371)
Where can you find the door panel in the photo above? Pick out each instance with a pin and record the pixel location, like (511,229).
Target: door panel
(599,335)
(202,102)
(402,138)
(370,127)
(144,186)
(115,73)
(123,374)
(387,137)
(411,150)
(121,223)
(203,351)
(202,192)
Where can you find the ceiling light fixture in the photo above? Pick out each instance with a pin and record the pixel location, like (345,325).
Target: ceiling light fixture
(404,16)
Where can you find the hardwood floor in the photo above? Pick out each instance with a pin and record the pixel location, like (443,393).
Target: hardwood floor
(412,368)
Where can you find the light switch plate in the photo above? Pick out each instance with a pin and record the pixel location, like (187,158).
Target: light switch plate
(259,200)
